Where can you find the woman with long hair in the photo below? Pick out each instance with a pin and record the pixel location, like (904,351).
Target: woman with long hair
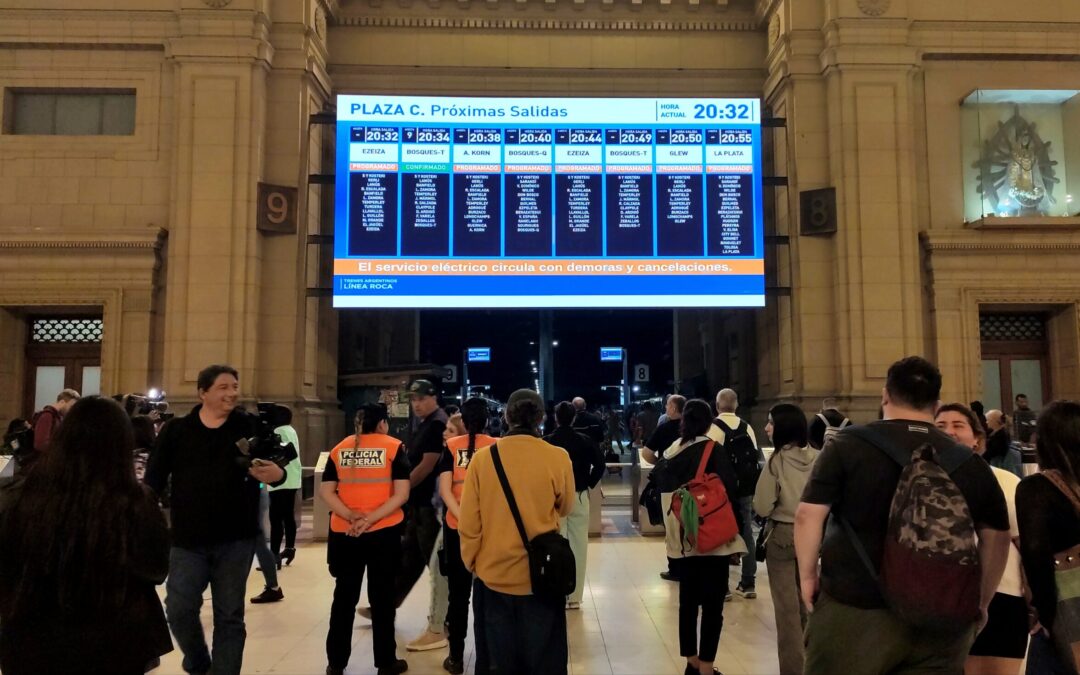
(82,546)
(779,488)
(703,577)
(452,470)
(1050,524)
(1000,647)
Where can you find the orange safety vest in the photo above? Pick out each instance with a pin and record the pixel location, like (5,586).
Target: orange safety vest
(457,446)
(365,481)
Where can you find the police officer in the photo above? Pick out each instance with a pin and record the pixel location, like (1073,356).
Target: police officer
(452,469)
(365,484)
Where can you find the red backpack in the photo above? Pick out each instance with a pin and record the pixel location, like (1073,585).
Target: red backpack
(705,514)
(54,422)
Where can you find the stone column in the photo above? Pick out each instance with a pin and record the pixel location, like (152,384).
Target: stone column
(220,61)
(846,84)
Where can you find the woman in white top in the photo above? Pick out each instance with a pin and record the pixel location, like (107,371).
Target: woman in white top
(779,488)
(1001,646)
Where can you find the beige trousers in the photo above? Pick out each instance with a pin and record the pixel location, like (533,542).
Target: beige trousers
(784,586)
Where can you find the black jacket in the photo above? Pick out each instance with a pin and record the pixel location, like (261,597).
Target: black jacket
(589,424)
(49,640)
(213,499)
(997,444)
(584,454)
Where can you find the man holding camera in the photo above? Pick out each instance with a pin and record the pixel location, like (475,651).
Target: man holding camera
(215,506)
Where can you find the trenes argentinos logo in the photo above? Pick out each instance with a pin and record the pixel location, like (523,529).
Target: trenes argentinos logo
(363,458)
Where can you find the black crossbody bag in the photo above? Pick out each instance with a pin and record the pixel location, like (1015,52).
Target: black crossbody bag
(552,567)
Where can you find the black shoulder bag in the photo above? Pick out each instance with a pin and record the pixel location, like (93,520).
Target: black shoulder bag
(552,568)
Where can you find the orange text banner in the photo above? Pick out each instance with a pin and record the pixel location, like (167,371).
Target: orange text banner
(546,267)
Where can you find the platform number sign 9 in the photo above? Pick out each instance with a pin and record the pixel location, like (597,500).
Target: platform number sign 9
(641,373)
(277,209)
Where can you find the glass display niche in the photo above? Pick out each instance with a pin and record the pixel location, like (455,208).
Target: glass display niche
(1021,152)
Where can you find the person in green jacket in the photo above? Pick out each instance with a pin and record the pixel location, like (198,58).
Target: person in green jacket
(283,498)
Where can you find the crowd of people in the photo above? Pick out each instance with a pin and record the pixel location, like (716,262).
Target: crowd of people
(909,544)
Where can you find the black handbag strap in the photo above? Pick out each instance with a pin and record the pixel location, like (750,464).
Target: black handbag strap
(509,496)
(948,457)
(859,549)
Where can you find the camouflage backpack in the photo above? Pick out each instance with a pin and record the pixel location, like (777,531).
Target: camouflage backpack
(930,572)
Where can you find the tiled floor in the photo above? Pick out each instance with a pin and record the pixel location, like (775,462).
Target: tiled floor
(627,623)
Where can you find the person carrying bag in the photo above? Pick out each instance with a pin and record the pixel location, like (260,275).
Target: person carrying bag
(520,586)
(551,562)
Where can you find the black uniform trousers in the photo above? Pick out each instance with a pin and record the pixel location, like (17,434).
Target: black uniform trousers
(379,553)
(459,582)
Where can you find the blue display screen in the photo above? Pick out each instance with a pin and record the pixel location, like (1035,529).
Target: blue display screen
(479,354)
(583,202)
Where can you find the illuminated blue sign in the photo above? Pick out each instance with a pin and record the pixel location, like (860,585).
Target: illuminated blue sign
(611,353)
(479,354)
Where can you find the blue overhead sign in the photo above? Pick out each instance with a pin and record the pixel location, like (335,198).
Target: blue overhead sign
(479,354)
(611,353)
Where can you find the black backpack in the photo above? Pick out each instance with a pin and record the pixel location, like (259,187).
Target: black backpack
(743,455)
(552,568)
(658,482)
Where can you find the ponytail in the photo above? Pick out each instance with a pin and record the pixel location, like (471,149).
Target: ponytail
(359,421)
(474,415)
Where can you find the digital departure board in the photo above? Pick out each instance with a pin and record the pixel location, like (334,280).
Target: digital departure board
(582,202)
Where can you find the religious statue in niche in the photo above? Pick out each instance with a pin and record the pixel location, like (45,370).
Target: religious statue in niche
(1016,174)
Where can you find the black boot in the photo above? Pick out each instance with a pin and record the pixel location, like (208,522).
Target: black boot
(399,666)
(287,556)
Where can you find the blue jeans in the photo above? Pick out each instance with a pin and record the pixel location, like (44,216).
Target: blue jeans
(267,559)
(1043,658)
(225,567)
(749,560)
(521,634)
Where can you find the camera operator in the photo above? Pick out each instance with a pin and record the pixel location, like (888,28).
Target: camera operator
(215,505)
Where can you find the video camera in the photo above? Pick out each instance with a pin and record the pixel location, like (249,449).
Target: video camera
(266,445)
(149,403)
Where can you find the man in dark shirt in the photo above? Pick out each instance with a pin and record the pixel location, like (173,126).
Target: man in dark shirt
(850,628)
(1024,418)
(587,423)
(214,513)
(667,432)
(647,421)
(588,462)
(425,446)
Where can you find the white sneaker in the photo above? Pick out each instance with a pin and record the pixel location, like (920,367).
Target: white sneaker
(428,641)
(573,605)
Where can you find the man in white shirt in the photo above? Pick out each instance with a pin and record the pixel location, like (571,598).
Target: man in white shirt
(727,402)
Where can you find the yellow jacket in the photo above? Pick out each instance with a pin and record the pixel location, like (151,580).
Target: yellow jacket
(542,480)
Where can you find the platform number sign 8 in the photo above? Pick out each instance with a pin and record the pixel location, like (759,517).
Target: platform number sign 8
(641,373)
